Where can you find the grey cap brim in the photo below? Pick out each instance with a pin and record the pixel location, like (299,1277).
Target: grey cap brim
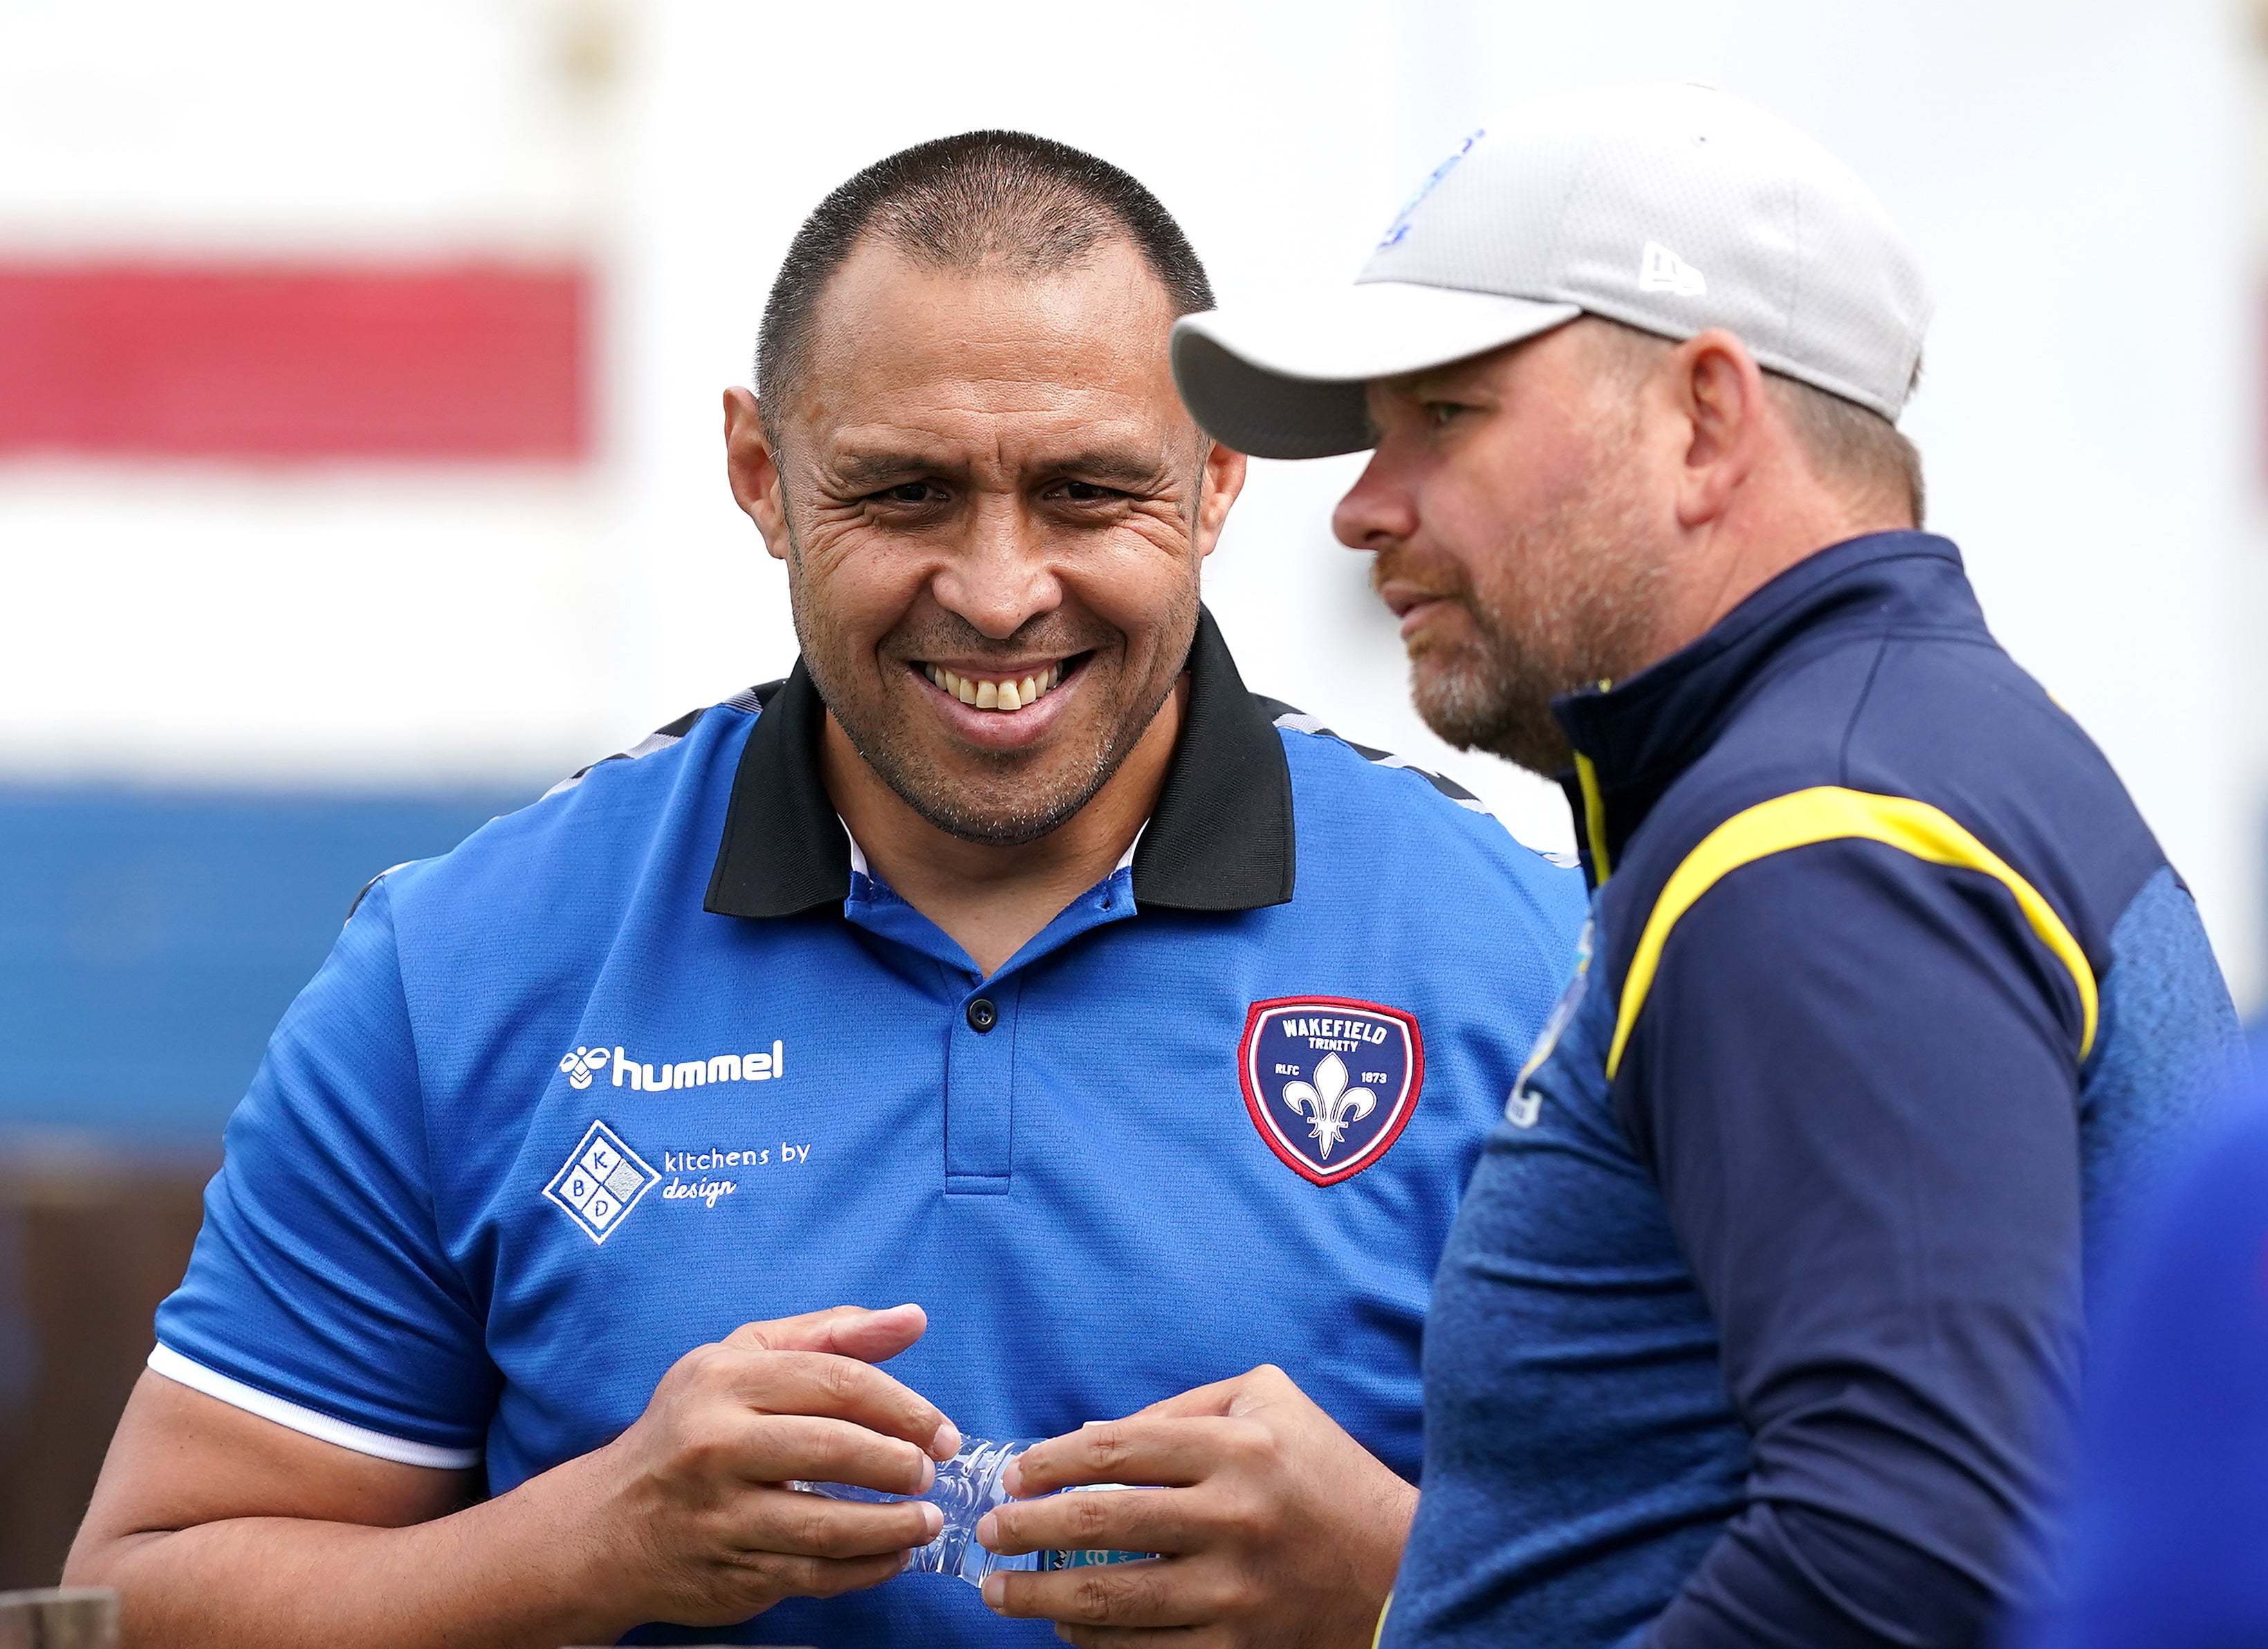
(1287,381)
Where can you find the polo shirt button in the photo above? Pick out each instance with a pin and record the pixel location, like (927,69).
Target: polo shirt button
(983,1016)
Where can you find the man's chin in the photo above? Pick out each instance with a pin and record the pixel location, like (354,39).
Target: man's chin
(994,798)
(1010,826)
(1453,701)
(1468,714)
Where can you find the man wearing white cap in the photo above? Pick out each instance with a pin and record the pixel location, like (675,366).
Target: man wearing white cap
(1759,1318)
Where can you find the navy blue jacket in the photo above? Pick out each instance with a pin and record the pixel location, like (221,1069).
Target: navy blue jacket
(1760,1318)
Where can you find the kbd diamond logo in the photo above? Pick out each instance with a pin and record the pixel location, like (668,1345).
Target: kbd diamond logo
(601,1183)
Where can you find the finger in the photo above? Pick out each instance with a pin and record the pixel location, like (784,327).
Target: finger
(870,1335)
(772,1449)
(1158,1592)
(1263,1384)
(841,1388)
(1166,1520)
(1199,1402)
(826,1576)
(1170,1452)
(793,1523)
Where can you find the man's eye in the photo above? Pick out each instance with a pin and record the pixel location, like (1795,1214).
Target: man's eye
(908,492)
(1440,412)
(1087,492)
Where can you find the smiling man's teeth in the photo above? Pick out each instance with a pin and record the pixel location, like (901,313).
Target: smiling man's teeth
(1010,695)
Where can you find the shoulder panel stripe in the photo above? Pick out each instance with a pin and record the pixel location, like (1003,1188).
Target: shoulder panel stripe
(371,883)
(752,700)
(1829,813)
(1299,721)
(659,738)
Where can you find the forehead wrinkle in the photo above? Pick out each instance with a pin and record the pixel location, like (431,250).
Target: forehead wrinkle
(961,408)
(1053,385)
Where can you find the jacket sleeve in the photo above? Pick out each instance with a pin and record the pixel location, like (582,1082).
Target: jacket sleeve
(1855,1080)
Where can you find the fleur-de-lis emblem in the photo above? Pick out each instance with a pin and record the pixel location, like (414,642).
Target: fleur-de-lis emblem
(579,1065)
(1328,1104)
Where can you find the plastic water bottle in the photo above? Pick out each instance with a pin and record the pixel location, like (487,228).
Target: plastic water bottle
(967,1487)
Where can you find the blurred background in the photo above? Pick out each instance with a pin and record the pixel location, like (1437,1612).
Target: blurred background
(360,471)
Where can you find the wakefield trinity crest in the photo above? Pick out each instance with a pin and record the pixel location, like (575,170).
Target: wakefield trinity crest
(1329,1082)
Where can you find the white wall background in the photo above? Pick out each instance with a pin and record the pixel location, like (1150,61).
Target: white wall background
(2073,171)
(349,625)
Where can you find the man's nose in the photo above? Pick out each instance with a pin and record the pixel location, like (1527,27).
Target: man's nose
(1001,579)
(1377,512)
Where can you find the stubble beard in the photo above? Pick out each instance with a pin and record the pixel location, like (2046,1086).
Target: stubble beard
(1011,798)
(1565,602)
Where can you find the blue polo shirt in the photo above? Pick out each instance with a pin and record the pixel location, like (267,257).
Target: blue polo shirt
(653,1059)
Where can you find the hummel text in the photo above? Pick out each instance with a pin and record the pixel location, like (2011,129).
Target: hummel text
(696,1073)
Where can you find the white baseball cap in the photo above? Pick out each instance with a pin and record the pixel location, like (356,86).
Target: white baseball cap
(1673,209)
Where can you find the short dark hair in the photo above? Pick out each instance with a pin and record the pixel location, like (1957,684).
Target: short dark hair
(1024,204)
(1849,445)
(1854,444)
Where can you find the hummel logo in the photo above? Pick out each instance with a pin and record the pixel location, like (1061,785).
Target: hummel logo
(1662,270)
(579,1065)
(601,1183)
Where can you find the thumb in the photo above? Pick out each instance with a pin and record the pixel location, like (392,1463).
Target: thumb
(1200,1402)
(1255,1388)
(853,1331)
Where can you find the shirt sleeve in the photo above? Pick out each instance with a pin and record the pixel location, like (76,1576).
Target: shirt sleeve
(1855,1079)
(319,1294)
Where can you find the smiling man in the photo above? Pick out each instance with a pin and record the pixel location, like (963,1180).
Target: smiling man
(1009,957)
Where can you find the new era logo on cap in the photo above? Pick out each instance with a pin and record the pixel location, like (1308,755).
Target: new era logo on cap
(1672,209)
(1662,270)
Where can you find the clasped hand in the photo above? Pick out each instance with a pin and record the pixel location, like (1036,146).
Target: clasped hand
(697,1483)
(1274,1529)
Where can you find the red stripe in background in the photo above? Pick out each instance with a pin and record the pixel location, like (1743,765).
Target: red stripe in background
(294,362)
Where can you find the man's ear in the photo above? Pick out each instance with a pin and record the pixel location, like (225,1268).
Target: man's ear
(1223,479)
(1717,390)
(754,470)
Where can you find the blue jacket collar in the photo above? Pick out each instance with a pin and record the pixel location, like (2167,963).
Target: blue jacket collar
(1634,738)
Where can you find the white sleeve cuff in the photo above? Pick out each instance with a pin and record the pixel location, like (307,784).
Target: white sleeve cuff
(166,1361)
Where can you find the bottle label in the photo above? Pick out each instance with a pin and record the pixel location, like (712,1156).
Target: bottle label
(1050,1560)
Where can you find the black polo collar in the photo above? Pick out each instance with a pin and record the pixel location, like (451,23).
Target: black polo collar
(1221,839)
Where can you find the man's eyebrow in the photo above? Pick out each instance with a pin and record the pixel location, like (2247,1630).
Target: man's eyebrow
(875,467)
(871,469)
(1432,380)
(1111,468)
